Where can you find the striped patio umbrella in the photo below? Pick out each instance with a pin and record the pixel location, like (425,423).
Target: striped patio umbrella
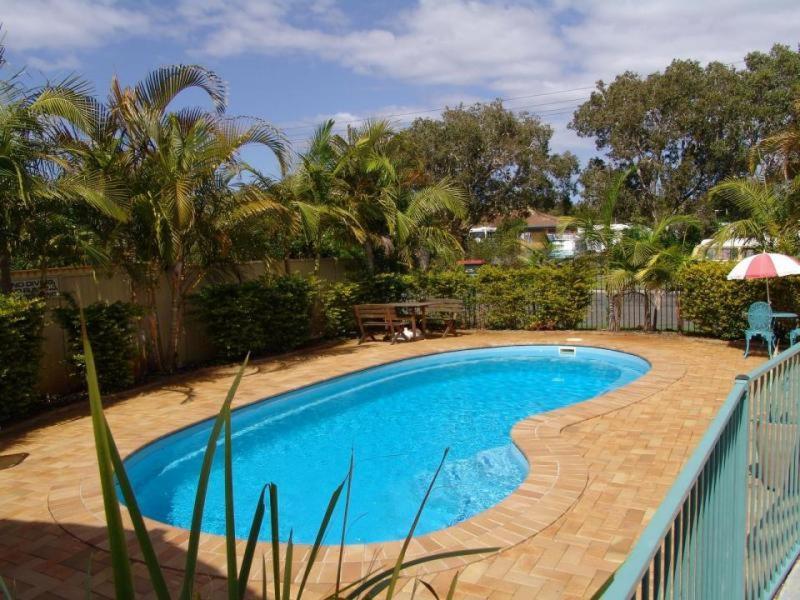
(765,266)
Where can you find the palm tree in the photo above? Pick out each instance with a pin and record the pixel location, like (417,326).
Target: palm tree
(651,257)
(380,202)
(595,227)
(311,190)
(769,217)
(417,221)
(32,166)
(178,168)
(363,174)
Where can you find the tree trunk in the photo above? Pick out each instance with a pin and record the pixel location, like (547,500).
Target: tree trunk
(176,314)
(648,311)
(153,328)
(615,300)
(5,267)
(369,251)
(424,259)
(43,281)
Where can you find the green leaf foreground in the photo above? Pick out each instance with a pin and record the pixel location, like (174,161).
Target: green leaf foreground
(111,467)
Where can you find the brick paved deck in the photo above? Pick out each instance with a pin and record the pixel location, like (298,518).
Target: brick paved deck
(598,471)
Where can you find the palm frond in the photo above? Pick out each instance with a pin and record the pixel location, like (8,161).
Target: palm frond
(161,86)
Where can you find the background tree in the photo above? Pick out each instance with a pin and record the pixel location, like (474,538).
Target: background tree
(782,147)
(689,127)
(503,160)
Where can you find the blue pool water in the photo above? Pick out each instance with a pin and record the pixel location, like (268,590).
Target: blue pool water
(397,419)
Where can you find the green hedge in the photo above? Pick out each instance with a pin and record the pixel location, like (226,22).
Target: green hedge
(336,306)
(337,299)
(503,297)
(261,316)
(544,297)
(112,330)
(388,287)
(21,323)
(716,306)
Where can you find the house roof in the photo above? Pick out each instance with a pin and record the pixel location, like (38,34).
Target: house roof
(533,220)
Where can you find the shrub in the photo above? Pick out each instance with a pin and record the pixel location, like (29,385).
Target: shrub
(545,297)
(716,306)
(503,297)
(21,322)
(446,284)
(261,316)
(112,329)
(559,296)
(388,287)
(450,284)
(336,305)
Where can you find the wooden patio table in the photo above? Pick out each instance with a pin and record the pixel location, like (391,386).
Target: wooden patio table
(414,309)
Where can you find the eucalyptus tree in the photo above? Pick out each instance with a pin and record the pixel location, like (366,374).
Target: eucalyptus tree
(501,158)
(785,144)
(687,128)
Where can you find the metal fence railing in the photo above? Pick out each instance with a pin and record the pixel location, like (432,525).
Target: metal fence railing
(729,528)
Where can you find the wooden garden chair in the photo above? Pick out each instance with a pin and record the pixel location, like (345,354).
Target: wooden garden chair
(447,310)
(378,317)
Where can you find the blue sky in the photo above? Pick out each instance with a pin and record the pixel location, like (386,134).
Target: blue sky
(296,62)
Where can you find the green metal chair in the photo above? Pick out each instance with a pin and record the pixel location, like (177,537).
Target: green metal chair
(793,335)
(759,324)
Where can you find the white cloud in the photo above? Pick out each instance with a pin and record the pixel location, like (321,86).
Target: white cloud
(68,24)
(500,47)
(398,115)
(520,48)
(646,36)
(506,47)
(66,62)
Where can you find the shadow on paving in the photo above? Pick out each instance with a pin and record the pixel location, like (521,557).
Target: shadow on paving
(183,383)
(42,560)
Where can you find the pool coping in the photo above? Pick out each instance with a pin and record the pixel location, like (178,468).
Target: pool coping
(556,479)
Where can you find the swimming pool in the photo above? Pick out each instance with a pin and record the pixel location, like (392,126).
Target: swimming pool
(397,419)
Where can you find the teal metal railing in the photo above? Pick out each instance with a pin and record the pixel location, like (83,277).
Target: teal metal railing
(729,527)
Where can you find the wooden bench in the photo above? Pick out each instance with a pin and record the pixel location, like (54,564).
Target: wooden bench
(378,317)
(447,310)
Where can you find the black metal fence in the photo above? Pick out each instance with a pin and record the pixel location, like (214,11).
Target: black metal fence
(664,311)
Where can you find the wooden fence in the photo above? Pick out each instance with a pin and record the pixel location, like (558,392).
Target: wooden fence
(93,286)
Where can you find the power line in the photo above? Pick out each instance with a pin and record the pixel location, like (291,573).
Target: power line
(556,110)
(311,126)
(439,108)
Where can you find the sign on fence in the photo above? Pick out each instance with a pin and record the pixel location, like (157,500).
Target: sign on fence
(33,287)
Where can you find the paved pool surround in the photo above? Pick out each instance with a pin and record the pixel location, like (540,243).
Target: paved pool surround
(598,470)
